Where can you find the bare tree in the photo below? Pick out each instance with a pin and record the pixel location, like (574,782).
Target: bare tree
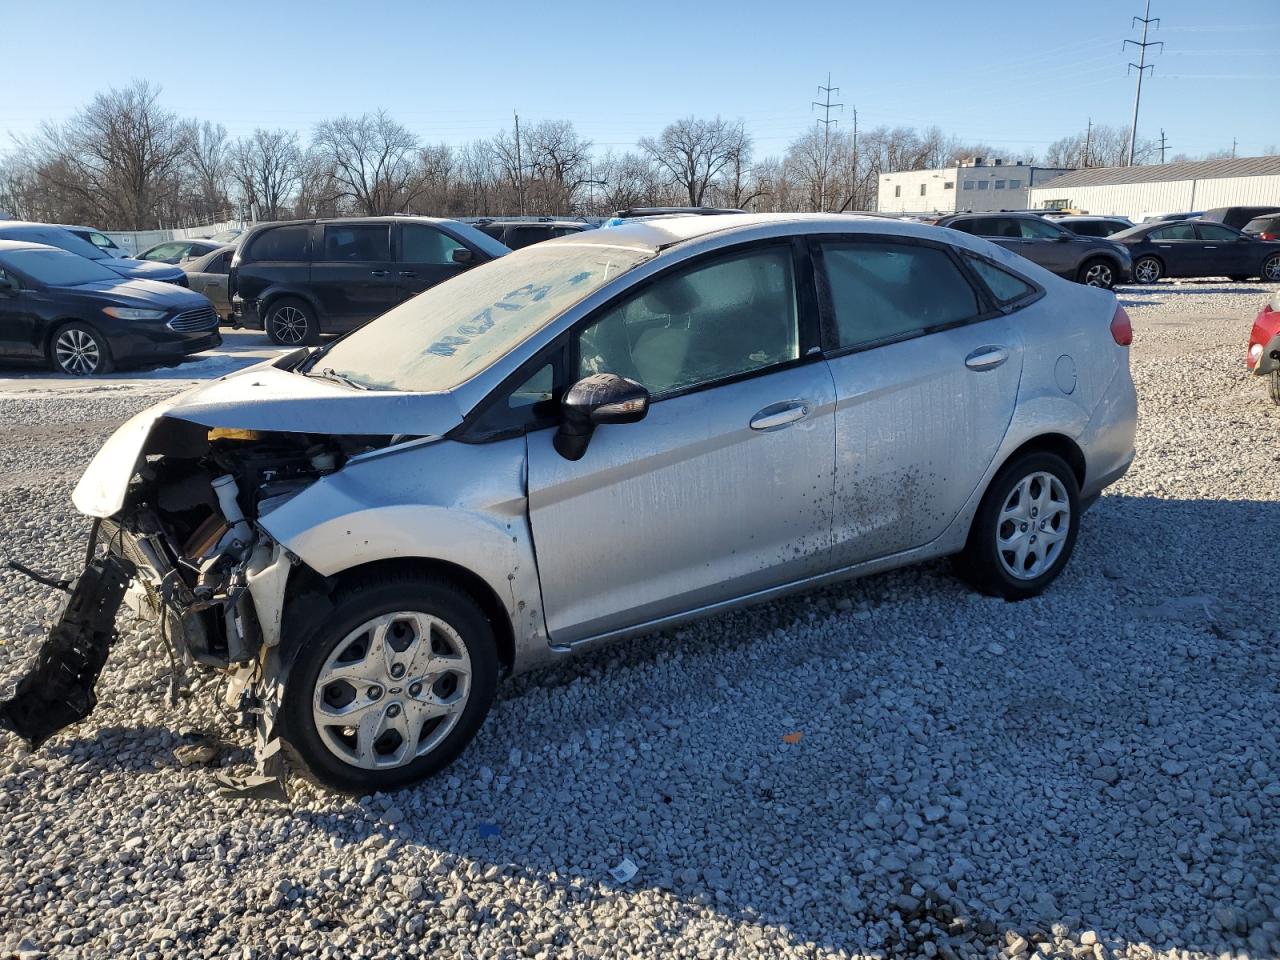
(695,151)
(268,169)
(558,163)
(372,160)
(209,157)
(1106,147)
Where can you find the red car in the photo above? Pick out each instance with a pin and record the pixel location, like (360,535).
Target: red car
(1264,345)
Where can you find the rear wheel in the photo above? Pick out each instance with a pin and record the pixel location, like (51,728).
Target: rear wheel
(1147,270)
(1025,529)
(292,323)
(1097,272)
(391,686)
(1271,268)
(80,350)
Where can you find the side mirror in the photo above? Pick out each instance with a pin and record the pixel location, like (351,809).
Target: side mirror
(1245,239)
(8,287)
(599,398)
(1063,238)
(462,255)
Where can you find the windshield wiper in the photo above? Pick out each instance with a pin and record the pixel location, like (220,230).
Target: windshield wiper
(328,373)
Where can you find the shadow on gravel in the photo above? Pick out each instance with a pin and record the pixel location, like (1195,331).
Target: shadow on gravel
(1100,760)
(1139,295)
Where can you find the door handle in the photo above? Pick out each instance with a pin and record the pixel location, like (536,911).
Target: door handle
(1211,248)
(778,415)
(379,273)
(986,358)
(407,273)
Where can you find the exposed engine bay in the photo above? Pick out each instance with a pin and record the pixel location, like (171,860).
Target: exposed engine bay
(187,551)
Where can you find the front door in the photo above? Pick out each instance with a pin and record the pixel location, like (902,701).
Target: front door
(1181,250)
(1049,245)
(212,282)
(353,275)
(926,382)
(1223,253)
(725,488)
(425,258)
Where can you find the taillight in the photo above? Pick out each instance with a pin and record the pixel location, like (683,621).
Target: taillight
(1266,235)
(1121,328)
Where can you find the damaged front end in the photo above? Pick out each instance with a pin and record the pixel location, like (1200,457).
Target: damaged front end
(186,549)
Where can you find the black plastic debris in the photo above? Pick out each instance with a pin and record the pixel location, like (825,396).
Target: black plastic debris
(58,691)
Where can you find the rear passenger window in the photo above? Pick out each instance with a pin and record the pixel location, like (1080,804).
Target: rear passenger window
(1004,286)
(357,242)
(883,292)
(282,243)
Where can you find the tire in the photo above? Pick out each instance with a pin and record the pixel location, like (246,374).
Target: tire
(80,350)
(1098,272)
(332,672)
(1273,386)
(1147,270)
(291,323)
(1270,270)
(990,569)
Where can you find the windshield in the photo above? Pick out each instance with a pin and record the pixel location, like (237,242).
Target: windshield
(454,330)
(57,268)
(64,240)
(479,238)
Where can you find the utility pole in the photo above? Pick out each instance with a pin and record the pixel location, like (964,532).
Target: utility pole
(1142,67)
(519,170)
(1233,148)
(826,122)
(1164,143)
(1088,141)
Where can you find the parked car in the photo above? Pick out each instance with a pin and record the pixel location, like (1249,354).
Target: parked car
(600,436)
(79,317)
(303,278)
(1263,358)
(520,233)
(1089,260)
(210,274)
(1266,227)
(61,237)
(1093,226)
(1236,217)
(1197,248)
(632,212)
(99,240)
(175,251)
(230,235)
(1168,217)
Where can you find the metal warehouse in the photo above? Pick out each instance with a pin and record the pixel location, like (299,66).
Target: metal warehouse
(1137,192)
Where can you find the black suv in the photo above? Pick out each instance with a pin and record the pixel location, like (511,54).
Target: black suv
(302,278)
(1092,260)
(521,233)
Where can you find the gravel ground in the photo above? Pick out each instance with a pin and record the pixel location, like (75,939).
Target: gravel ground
(1094,773)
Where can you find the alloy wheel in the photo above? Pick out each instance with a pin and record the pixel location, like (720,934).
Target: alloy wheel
(1098,275)
(289,324)
(1033,525)
(392,690)
(1271,269)
(77,352)
(1146,271)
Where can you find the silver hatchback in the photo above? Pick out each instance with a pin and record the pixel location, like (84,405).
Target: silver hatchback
(599,436)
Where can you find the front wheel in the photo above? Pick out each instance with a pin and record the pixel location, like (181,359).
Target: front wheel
(1271,268)
(391,686)
(80,350)
(1147,270)
(1025,529)
(292,323)
(1097,273)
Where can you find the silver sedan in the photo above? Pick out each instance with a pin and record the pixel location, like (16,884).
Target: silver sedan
(605,435)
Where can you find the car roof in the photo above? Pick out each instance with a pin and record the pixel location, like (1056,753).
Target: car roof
(543,222)
(8,246)
(998,213)
(1077,217)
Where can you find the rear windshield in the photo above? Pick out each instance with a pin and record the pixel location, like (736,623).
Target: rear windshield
(445,336)
(57,268)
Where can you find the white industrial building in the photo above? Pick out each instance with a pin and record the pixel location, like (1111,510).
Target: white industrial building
(970,186)
(1137,192)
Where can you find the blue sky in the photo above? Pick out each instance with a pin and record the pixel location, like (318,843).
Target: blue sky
(1015,75)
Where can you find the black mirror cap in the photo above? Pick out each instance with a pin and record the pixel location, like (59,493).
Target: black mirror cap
(598,399)
(462,255)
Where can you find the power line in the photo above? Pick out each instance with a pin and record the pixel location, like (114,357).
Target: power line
(1142,67)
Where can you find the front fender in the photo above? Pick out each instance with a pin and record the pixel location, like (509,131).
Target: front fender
(463,504)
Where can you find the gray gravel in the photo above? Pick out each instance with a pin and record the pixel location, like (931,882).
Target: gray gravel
(1094,773)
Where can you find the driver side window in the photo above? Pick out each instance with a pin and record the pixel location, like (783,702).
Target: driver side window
(708,322)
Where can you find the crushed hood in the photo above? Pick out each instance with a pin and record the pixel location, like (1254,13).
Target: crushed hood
(267,399)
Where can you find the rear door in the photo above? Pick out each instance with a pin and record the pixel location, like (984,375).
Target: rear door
(1180,249)
(424,257)
(21,328)
(926,370)
(725,488)
(1223,252)
(353,275)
